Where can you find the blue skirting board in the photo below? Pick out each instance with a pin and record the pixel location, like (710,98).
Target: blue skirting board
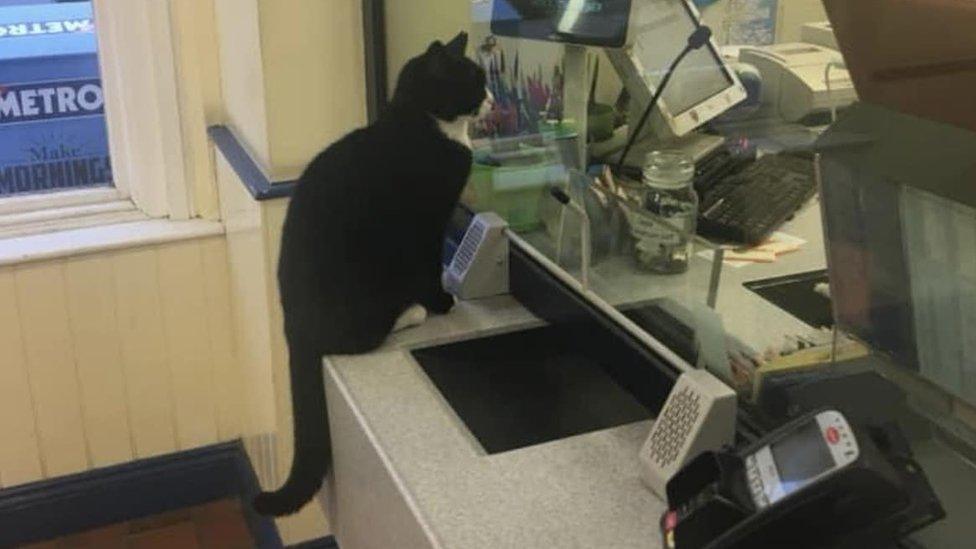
(76,503)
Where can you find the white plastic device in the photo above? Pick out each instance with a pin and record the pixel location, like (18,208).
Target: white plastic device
(480,265)
(699,415)
(809,453)
(820,33)
(796,82)
(703,87)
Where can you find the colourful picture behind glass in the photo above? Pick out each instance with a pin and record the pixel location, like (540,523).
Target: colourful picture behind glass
(52,123)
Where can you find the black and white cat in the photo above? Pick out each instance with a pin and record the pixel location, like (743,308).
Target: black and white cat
(362,243)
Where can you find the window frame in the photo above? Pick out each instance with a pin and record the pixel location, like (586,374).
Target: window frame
(136,54)
(69,198)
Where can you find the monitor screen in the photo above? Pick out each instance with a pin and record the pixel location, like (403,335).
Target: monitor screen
(590,22)
(661,29)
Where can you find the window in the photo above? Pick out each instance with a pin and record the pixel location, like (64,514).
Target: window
(93,117)
(52,126)
(55,165)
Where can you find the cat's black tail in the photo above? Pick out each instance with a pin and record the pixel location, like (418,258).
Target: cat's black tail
(313,448)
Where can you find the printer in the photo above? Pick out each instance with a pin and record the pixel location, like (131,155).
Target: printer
(820,33)
(801,80)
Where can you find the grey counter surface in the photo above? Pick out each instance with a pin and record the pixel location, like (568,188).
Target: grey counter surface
(582,491)
(395,436)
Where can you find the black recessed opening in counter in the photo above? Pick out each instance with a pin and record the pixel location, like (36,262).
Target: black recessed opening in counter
(525,388)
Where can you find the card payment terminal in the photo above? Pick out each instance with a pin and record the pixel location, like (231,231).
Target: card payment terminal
(822,445)
(817,482)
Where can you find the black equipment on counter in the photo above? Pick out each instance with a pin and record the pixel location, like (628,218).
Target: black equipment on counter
(817,482)
(744,201)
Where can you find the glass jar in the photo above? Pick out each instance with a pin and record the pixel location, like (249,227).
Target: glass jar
(664,225)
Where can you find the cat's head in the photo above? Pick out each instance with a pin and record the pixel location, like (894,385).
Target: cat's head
(443,82)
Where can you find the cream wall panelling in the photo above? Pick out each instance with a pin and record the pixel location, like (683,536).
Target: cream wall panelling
(145,357)
(115,356)
(242,75)
(292,77)
(253,239)
(187,339)
(43,311)
(98,357)
(228,388)
(20,455)
(411,26)
(198,82)
(250,286)
(315,77)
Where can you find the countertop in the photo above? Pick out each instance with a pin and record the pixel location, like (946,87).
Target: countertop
(582,491)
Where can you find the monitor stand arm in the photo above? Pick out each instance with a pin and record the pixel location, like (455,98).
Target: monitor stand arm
(576,96)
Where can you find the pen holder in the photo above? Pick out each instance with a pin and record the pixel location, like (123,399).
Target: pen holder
(510,175)
(600,119)
(563,225)
(511,178)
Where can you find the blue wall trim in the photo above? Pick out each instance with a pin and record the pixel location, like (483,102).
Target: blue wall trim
(320,543)
(76,503)
(260,187)
(262,528)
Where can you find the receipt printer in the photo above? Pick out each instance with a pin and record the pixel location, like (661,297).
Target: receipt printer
(797,82)
(819,481)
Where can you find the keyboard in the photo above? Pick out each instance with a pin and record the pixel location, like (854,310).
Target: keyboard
(744,200)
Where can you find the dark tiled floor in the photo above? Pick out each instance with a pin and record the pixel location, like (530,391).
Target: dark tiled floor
(216,525)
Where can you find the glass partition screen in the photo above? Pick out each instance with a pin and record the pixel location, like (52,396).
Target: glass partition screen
(796,213)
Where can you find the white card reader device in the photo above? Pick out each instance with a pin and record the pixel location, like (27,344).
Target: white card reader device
(480,266)
(699,415)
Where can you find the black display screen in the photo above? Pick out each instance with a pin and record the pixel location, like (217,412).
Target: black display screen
(591,22)
(801,456)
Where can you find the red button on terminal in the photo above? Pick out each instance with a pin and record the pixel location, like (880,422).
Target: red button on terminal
(833,435)
(671,521)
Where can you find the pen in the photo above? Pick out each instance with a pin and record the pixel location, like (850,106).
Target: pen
(711,209)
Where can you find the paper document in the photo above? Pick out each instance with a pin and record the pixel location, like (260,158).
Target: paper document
(778,244)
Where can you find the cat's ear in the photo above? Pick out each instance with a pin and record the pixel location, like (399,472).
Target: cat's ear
(459,44)
(436,59)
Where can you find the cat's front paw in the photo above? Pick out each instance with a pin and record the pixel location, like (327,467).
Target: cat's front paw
(440,303)
(414,315)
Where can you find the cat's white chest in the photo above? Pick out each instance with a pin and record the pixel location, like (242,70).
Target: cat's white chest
(457,130)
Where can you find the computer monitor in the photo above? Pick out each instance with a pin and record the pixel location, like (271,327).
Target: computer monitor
(641,38)
(601,23)
(702,88)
